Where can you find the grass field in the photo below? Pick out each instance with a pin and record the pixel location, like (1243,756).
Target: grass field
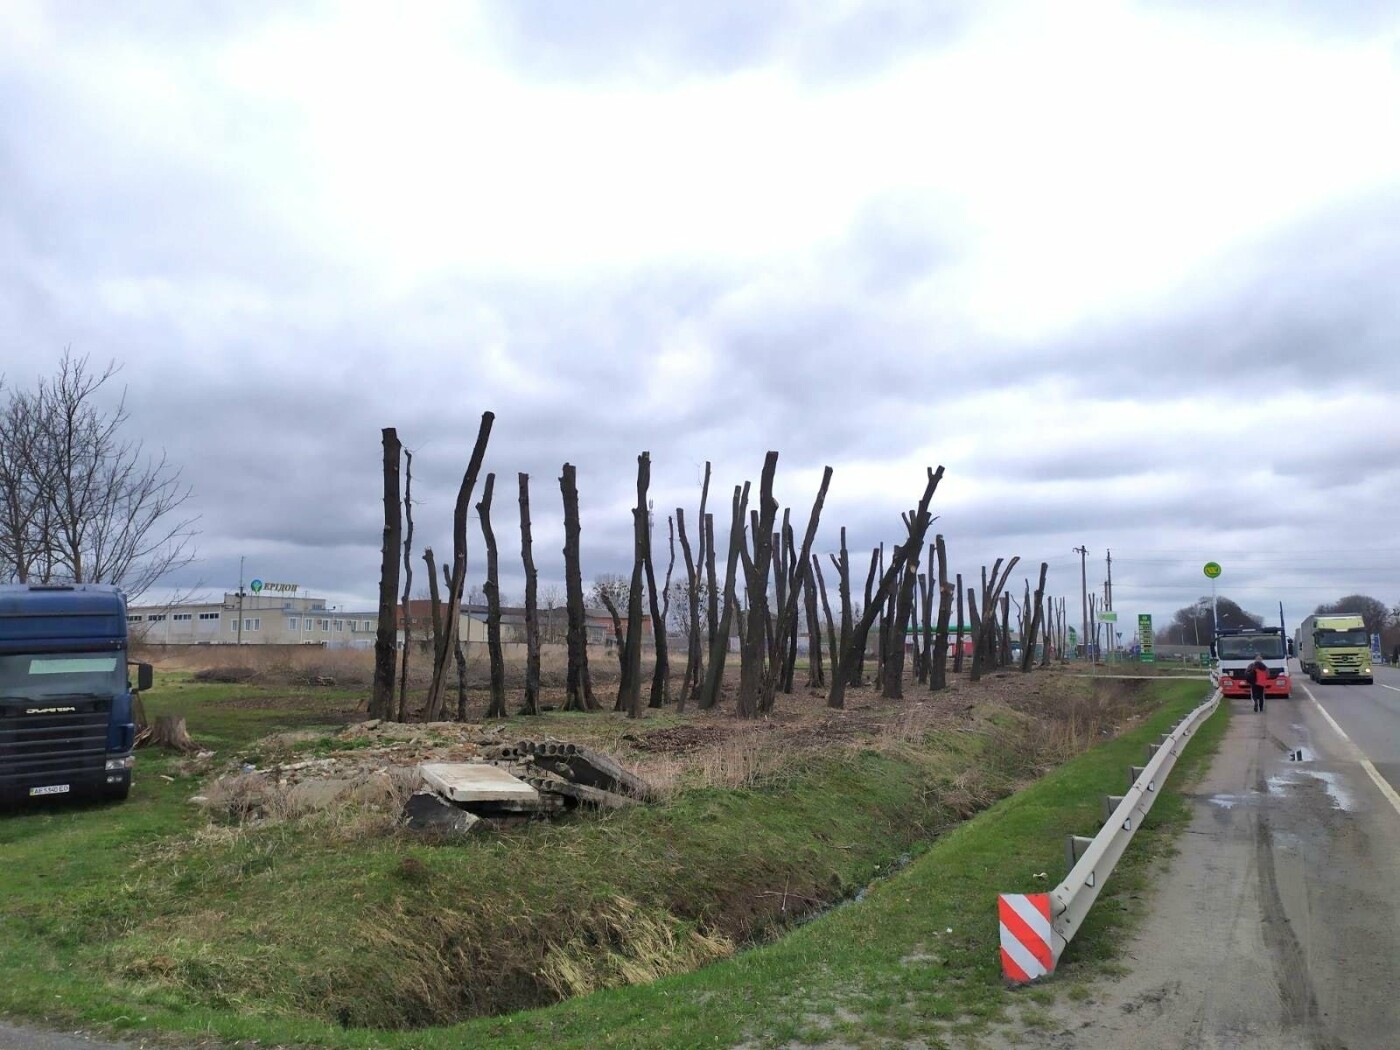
(341,932)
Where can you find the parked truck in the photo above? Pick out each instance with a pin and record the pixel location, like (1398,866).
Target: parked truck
(1235,649)
(66,704)
(1335,648)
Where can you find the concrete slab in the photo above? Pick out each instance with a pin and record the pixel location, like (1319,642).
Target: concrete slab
(476,782)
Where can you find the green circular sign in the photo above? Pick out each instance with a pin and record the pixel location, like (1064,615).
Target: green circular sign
(1212,569)
(255,586)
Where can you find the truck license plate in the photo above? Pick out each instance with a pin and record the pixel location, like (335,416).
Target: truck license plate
(51,789)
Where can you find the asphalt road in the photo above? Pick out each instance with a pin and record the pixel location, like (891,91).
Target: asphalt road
(13,1038)
(1277,924)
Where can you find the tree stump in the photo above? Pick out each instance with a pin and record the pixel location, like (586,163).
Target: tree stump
(168,731)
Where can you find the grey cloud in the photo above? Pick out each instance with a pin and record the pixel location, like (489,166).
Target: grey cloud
(634,40)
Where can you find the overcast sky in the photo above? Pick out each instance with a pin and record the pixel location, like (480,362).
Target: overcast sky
(1128,271)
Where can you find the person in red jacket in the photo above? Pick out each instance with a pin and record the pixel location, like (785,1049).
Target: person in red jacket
(1258,679)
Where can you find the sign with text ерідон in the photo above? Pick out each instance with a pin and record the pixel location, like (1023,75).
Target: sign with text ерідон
(258,586)
(1145,638)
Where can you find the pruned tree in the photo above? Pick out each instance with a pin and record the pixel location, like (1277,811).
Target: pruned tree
(694,659)
(958,650)
(1034,605)
(402,713)
(578,692)
(983,652)
(531,703)
(452,621)
(938,670)
(719,647)
(833,646)
(641,553)
(660,610)
(843,583)
(755,644)
(893,684)
(816,670)
(381,702)
(787,613)
(459,657)
(870,578)
(497,708)
(917,526)
(706,523)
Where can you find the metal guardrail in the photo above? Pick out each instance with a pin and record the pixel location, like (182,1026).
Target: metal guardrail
(1091,862)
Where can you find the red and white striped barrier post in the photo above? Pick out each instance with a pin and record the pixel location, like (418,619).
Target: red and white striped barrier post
(1025,936)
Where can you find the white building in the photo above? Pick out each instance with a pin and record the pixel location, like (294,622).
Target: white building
(258,619)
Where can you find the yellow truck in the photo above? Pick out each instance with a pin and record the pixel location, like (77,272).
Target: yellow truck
(1335,648)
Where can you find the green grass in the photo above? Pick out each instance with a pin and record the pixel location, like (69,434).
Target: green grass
(119,916)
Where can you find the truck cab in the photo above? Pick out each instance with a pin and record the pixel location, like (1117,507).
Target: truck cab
(1235,649)
(66,705)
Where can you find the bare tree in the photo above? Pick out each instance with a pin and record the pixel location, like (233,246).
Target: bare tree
(833,650)
(531,705)
(79,502)
(578,694)
(452,623)
(984,650)
(381,704)
(497,708)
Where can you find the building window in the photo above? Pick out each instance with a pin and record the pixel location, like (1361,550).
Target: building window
(136,619)
(338,625)
(306,625)
(252,623)
(233,624)
(156,617)
(293,623)
(182,616)
(354,626)
(209,616)
(323,625)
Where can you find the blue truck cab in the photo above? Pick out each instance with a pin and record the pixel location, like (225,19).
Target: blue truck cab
(66,709)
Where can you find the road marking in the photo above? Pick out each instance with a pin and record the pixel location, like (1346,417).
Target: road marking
(1389,792)
(1392,688)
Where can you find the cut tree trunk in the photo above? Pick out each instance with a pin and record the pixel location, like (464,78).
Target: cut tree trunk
(452,623)
(938,669)
(1028,643)
(958,650)
(381,704)
(492,587)
(531,703)
(754,647)
(579,688)
(694,660)
(640,555)
(400,714)
(660,610)
(919,522)
(719,648)
(170,732)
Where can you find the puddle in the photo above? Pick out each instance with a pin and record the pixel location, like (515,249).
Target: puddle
(1331,783)
(1227,801)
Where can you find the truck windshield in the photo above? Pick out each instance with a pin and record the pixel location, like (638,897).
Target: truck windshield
(1338,639)
(34,676)
(1246,647)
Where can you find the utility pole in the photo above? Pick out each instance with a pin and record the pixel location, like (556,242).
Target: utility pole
(1083,553)
(1108,587)
(240,600)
